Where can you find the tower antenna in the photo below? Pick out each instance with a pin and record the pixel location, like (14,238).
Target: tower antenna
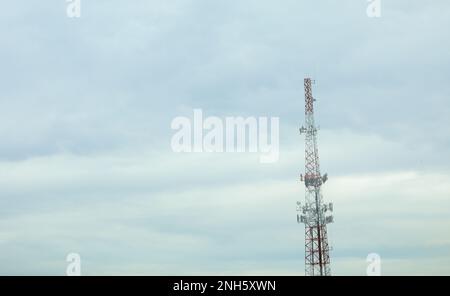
(314,213)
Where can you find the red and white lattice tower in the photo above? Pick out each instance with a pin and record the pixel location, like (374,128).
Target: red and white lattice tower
(314,213)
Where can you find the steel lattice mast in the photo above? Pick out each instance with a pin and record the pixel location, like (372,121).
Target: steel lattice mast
(314,211)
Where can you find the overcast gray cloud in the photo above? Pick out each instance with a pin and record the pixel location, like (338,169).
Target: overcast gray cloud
(85,158)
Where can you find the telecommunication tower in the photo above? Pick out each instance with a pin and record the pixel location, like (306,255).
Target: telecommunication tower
(314,213)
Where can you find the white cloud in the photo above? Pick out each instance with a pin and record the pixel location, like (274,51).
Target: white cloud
(143,213)
(86,106)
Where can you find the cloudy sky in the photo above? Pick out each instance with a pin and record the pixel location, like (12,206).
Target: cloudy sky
(86,164)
